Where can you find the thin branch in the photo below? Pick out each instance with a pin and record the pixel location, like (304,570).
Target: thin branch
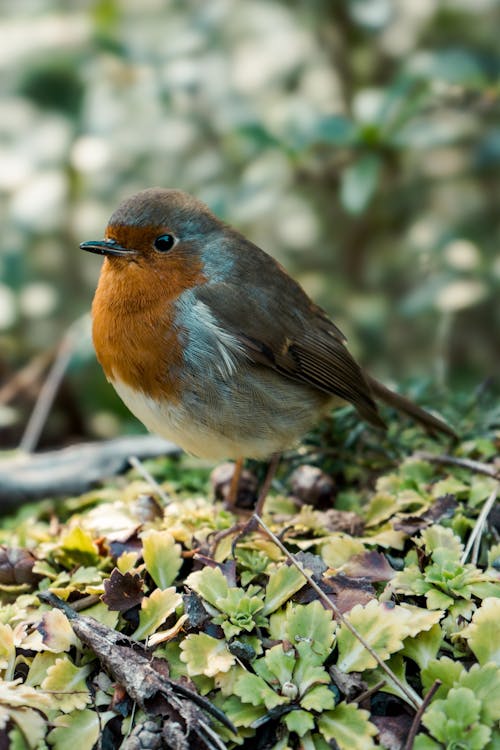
(134,461)
(371,691)
(49,389)
(466,463)
(474,541)
(418,716)
(414,699)
(25,377)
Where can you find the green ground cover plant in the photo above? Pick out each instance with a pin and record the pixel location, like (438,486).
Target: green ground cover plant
(126,620)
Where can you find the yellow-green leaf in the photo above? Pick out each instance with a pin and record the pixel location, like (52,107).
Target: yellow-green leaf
(209,583)
(206,655)
(77,548)
(79,730)
(155,609)
(483,633)
(299,722)
(31,726)
(68,683)
(253,689)
(7,652)
(339,549)
(383,626)
(162,556)
(53,633)
(348,725)
(283,583)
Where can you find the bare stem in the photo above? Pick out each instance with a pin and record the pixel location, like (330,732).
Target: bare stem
(134,461)
(466,463)
(25,377)
(474,541)
(418,716)
(47,394)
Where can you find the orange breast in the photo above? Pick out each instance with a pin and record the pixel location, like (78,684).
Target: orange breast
(134,329)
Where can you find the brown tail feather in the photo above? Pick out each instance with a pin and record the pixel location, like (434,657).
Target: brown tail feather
(403,404)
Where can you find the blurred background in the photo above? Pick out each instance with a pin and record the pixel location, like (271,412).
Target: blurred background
(358,141)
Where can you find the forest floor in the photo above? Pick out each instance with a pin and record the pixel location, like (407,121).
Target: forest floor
(361,610)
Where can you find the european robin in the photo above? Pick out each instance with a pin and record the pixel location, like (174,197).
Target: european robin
(209,341)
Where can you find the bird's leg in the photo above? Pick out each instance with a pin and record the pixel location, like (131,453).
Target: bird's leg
(246,527)
(266,485)
(235,483)
(252,525)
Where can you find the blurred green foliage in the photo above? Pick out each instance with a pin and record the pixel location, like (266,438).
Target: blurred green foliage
(357,141)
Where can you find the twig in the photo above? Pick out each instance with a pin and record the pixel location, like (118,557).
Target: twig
(134,461)
(418,716)
(25,377)
(49,389)
(414,699)
(85,602)
(474,539)
(371,691)
(465,463)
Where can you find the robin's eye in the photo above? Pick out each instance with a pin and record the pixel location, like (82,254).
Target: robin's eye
(164,243)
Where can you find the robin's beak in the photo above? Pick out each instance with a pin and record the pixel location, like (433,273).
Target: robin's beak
(106,247)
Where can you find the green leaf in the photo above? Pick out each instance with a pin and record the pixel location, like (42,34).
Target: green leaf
(359,182)
(348,725)
(79,730)
(381,507)
(162,556)
(420,619)
(206,655)
(318,698)
(209,583)
(299,722)
(448,671)
(310,624)
(481,488)
(240,713)
(397,665)
(482,634)
(68,682)
(456,720)
(307,671)
(449,486)
(315,742)
(15,694)
(7,652)
(424,647)
(39,666)
(240,612)
(155,609)
(253,689)
(424,742)
(278,663)
(339,549)
(485,684)
(29,731)
(436,537)
(383,626)
(76,547)
(283,583)
(438,600)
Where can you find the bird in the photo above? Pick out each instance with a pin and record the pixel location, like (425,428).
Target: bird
(211,343)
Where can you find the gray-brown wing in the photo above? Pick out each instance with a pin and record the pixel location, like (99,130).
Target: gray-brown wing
(291,335)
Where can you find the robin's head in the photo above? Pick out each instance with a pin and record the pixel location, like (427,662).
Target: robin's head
(155,229)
